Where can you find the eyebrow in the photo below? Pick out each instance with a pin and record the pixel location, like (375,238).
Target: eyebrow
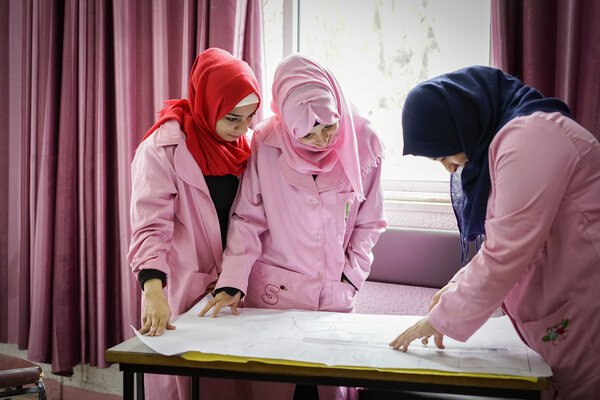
(238,115)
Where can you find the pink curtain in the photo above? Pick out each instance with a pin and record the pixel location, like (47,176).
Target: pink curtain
(84,80)
(554,46)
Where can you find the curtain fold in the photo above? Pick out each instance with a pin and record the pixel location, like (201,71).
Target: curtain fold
(554,46)
(83,83)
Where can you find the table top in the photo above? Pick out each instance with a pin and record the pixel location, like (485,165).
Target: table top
(133,352)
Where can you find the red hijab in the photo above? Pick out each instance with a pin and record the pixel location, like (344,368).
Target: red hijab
(218,82)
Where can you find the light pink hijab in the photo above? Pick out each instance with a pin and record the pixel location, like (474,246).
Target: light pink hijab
(304,92)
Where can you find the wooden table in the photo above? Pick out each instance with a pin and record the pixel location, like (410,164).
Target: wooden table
(135,359)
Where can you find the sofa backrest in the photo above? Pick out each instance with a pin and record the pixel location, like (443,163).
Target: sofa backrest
(417,257)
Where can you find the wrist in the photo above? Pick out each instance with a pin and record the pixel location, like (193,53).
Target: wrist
(153,286)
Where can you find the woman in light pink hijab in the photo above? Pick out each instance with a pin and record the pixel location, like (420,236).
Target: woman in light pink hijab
(310,209)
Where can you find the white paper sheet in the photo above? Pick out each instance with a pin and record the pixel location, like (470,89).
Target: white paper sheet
(339,339)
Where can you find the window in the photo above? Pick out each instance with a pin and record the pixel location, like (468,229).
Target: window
(379,50)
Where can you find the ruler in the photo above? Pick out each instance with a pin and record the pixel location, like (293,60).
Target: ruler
(366,343)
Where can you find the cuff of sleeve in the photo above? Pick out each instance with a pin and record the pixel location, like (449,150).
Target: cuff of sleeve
(147,274)
(229,290)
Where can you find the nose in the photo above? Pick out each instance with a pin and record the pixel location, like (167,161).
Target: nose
(242,127)
(325,138)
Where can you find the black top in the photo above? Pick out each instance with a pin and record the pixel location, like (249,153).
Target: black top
(223,190)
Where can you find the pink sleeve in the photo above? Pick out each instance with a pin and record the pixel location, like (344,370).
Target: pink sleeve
(531,161)
(369,224)
(152,210)
(247,222)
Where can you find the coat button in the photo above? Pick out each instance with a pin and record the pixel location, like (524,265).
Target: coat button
(317,236)
(314,200)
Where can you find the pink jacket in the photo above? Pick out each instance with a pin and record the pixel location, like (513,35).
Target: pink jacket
(291,237)
(541,257)
(175,228)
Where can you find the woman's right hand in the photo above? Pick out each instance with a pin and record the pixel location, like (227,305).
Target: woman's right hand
(157,313)
(222,299)
(434,300)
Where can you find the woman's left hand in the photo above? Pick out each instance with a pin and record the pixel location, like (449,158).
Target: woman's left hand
(421,329)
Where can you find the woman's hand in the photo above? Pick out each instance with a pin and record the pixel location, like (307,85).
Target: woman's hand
(157,313)
(222,299)
(421,329)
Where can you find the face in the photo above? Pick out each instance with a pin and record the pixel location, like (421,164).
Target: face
(320,136)
(235,123)
(451,163)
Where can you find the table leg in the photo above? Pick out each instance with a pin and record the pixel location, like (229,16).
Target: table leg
(139,385)
(127,385)
(194,389)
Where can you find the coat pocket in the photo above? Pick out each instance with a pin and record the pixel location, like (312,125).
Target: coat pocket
(566,340)
(270,286)
(345,215)
(342,297)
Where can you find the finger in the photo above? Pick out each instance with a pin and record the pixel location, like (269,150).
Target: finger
(207,307)
(398,343)
(145,326)
(160,328)
(170,327)
(153,328)
(439,341)
(144,329)
(218,307)
(234,309)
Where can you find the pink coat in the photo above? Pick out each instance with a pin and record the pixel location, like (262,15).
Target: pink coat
(291,237)
(175,229)
(541,257)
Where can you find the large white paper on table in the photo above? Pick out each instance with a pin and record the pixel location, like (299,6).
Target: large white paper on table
(340,339)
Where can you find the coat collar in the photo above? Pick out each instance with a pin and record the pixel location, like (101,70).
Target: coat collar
(186,167)
(323,182)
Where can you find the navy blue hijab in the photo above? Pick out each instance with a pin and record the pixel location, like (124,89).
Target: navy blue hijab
(461,112)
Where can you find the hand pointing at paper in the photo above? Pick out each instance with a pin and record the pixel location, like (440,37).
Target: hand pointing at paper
(421,329)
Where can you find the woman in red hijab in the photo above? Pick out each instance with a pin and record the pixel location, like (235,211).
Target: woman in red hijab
(185,176)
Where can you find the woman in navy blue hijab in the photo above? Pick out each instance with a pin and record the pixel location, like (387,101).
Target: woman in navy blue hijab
(526,187)
(461,112)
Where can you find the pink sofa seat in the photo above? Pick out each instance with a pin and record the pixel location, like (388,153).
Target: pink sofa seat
(410,265)
(393,298)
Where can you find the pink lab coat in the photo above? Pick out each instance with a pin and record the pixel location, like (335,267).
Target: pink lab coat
(541,257)
(175,229)
(291,237)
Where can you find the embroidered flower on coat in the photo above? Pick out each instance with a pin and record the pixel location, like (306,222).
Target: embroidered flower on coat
(557,332)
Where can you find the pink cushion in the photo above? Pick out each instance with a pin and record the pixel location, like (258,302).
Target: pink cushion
(389,298)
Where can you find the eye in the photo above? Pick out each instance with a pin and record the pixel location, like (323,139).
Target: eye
(311,134)
(327,127)
(231,119)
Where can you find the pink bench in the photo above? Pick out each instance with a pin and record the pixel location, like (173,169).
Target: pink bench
(409,266)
